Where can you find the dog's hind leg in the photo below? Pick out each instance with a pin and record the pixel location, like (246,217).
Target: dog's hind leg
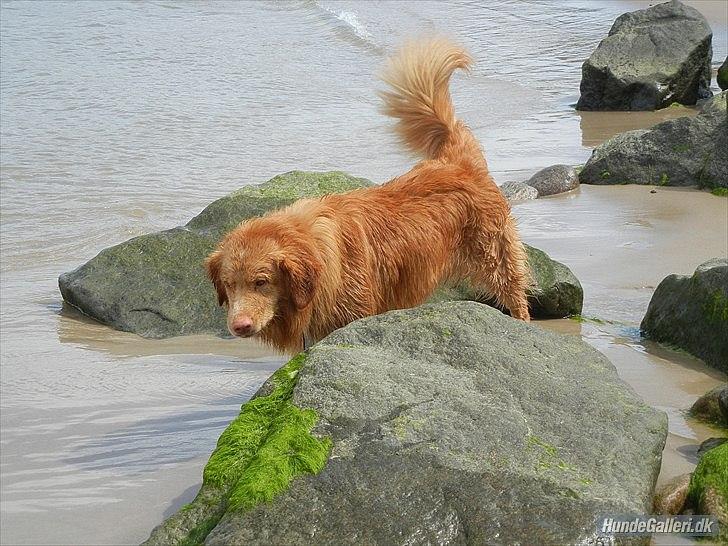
(503,272)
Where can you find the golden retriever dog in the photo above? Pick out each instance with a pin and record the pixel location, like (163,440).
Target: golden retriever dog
(295,275)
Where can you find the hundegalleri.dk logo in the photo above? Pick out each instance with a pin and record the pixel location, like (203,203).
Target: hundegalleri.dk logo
(631,525)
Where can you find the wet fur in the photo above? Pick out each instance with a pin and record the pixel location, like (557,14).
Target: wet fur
(335,259)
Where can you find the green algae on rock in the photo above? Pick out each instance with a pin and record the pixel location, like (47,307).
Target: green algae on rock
(265,448)
(692,313)
(708,491)
(433,413)
(155,285)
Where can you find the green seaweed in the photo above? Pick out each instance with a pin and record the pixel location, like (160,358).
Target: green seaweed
(711,473)
(267,445)
(257,456)
(664,180)
(720,192)
(716,308)
(605,175)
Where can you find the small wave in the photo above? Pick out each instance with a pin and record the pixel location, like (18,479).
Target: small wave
(352,23)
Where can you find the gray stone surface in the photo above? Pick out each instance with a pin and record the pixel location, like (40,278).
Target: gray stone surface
(687,151)
(650,59)
(518,191)
(713,406)
(155,285)
(455,424)
(692,313)
(554,179)
(555,292)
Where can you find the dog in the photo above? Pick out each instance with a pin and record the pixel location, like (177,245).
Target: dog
(294,275)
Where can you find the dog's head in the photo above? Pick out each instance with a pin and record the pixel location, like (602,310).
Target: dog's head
(262,272)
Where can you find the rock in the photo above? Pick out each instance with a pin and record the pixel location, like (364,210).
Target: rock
(722,77)
(555,293)
(155,285)
(710,443)
(449,424)
(518,191)
(708,491)
(686,151)
(554,179)
(692,313)
(712,406)
(670,498)
(650,59)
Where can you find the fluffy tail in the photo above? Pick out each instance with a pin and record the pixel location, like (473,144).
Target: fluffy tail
(419,77)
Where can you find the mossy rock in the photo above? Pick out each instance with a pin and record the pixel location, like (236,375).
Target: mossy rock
(155,285)
(712,406)
(555,292)
(686,151)
(722,78)
(692,313)
(257,457)
(447,424)
(708,491)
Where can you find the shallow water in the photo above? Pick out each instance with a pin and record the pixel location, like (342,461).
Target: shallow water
(121,118)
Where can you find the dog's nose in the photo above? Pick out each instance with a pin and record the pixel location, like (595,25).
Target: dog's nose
(242,326)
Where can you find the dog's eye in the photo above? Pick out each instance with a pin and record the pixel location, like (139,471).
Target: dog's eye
(261,282)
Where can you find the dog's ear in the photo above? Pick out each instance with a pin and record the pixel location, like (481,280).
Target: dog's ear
(302,271)
(213,263)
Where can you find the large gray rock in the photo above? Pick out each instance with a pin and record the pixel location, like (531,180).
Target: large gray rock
(155,285)
(687,151)
(451,424)
(554,179)
(650,59)
(692,313)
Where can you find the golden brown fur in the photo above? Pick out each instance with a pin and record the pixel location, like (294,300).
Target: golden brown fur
(321,263)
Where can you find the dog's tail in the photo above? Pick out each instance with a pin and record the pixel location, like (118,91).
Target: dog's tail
(419,77)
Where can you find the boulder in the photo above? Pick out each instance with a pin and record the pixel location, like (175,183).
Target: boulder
(650,59)
(708,491)
(722,78)
(686,151)
(155,285)
(712,406)
(554,179)
(447,424)
(518,191)
(555,292)
(692,313)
